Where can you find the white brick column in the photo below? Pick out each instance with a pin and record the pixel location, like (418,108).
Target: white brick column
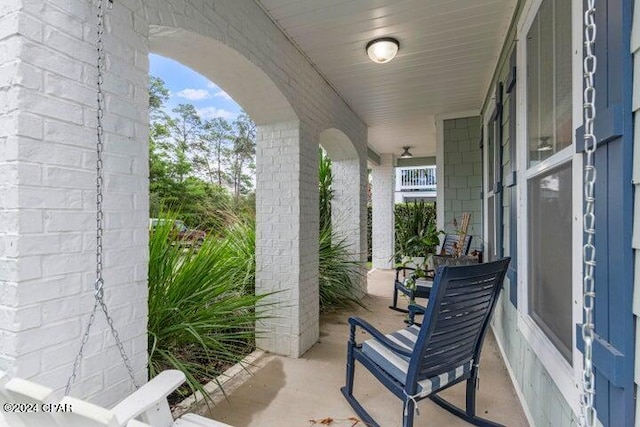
(47,195)
(287,236)
(383,222)
(349,207)
(10,224)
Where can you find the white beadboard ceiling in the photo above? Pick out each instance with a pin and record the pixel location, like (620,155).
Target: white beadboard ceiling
(448,51)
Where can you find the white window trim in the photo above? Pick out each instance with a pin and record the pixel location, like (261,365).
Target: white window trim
(566,377)
(486,193)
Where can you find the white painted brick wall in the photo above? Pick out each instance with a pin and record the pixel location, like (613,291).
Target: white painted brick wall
(51,145)
(287,229)
(47,113)
(383,221)
(349,208)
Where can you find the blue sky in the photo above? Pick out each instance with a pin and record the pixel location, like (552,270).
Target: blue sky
(187,86)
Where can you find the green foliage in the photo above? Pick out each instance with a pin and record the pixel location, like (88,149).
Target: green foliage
(415,227)
(241,239)
(243,152)
(326,193)
(214,150)
(194,163)
(201,305)
(338,274)
(369,233)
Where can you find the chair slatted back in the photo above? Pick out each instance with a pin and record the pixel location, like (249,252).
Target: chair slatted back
(456,319)
(451,240)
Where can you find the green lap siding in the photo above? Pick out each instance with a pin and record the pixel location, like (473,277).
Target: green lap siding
(543,400)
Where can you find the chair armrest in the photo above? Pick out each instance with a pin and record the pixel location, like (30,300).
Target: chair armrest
(413,310)
(399,269)
(416,309)
(147,396)
(377,335)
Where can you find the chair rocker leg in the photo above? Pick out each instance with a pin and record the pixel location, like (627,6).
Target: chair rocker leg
(347,390)
(394,305)
(401,310)
(360,411)
(470,414)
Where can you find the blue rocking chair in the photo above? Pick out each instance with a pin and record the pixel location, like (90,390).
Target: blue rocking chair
(423,286)
(419,361)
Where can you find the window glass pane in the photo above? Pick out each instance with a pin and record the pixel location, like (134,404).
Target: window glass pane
(550,235)
(491,153)
(533,98)
(491,230)
(562,30)
(549,81)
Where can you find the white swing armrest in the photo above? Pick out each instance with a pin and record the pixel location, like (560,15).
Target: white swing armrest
(149,396)
(85,414)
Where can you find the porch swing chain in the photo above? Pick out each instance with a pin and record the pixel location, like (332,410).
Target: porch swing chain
(99,283)
(588,414)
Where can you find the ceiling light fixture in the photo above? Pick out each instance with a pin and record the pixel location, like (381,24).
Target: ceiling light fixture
(406,154)
(383,50)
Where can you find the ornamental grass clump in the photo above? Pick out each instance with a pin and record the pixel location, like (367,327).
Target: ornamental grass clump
(339,273)
(202,307)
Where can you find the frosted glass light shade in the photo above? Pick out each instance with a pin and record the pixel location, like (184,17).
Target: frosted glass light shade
(382,50)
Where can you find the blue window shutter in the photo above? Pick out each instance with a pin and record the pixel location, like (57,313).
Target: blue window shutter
(497,185)
(614,349)
(511,181)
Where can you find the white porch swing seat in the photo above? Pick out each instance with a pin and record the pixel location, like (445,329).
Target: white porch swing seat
(146,407)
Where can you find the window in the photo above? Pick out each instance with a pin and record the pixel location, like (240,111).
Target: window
(549,124)
(491,199)
(549,186)
(549,221)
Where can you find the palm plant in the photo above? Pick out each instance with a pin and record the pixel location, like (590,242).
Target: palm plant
(416,232)
(339,274)
(326,193)
(201,313)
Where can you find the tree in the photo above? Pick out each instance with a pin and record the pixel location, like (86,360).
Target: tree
(161,185)
(214,149)
(186,129)
(158,94)
(191,162)
(242,154)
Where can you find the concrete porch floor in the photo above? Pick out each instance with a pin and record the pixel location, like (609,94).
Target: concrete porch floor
(294,392)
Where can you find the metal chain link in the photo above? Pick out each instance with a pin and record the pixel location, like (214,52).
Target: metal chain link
(99,282)
(588,414)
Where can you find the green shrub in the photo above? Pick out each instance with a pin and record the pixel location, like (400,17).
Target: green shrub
(369,233)
(325,179)
(202,310)
(339,275)
(412,219)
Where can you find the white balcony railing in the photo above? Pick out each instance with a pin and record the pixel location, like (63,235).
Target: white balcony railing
(416,178)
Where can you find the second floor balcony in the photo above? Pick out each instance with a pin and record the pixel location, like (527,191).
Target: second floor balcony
(416,178)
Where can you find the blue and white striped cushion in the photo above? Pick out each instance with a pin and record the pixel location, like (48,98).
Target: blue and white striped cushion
(397,365)
(424,283)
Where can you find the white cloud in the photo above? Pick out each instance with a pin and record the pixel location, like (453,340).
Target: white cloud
(209,113)
(224,95)
(212,85)
(194,94)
